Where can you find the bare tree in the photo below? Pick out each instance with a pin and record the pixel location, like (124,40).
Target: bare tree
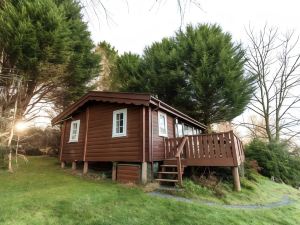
(99,8)
(275,60)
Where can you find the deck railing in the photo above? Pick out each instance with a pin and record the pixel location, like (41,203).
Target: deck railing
(217,149)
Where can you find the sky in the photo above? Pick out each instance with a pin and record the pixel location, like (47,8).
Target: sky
(134,24)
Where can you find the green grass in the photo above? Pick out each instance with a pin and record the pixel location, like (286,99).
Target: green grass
(42,193)
(261,191)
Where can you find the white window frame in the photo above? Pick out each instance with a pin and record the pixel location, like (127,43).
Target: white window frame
(166,123)
(77,132)
(114,125)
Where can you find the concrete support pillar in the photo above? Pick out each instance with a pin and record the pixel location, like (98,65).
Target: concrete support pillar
(236,178)
(114,171)
(85,167)
(144,172)
(62,164)
(74,165)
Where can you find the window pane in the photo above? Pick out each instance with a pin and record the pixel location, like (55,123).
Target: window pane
(180,130)
(119,123)
(162,124)
(186,130)
(190,132)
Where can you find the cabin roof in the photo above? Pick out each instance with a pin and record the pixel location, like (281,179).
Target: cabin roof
(144,99)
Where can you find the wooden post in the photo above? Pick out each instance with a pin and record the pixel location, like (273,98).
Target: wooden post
(144,172)
(62,164)
(179,171)
(73,165)
(114,171)
(85,167)
(87,116)
(236,178)
(64,126)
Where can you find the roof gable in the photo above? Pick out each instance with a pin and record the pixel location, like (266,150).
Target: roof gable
(144,99)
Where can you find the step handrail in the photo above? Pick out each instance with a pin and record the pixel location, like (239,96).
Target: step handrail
(179,151)
(180,147)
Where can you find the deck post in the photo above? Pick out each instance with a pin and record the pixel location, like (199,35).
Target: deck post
(73,165)
(85,167)
(144,172)
(114,171)
(62,164)
(236,178)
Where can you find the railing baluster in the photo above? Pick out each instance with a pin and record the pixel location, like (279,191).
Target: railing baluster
(221,149)
(222,146)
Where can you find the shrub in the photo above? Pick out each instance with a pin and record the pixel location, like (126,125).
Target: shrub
(33,151)
(274,160)
(3,154)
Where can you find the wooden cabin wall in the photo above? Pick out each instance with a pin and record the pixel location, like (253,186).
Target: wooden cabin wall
(73,151)
(147,134)
(101,146)
(158,141)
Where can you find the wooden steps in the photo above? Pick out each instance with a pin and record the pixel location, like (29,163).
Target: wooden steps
(167,180)
(169,172)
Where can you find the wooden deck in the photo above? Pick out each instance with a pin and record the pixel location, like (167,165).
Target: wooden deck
(218,149)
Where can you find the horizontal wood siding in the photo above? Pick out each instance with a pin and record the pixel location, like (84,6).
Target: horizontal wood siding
(128,173)
(101,146)
(74,150)
(158,142)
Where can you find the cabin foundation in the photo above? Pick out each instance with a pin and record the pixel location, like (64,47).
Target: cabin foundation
(144,173)
(85,167)
(114,171)
(236,178)
(62,165)
(73,165)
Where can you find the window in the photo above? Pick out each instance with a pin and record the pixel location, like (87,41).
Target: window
(162,124)
(185,129)
(179,129)
(74,131)
(119,123)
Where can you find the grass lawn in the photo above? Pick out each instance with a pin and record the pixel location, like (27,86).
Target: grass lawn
(41,193)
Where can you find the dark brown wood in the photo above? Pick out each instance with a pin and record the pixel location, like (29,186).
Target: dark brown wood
(196,153)
(233,147)
(127,173)
(143,133)
(62,139)
(222,148)
(73,151)
(114,171)
(101,146)
(150,134)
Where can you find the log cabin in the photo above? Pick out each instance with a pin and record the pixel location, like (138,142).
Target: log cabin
(137,133)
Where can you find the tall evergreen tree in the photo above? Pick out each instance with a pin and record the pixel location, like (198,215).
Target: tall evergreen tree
(48,43)
(199,70)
